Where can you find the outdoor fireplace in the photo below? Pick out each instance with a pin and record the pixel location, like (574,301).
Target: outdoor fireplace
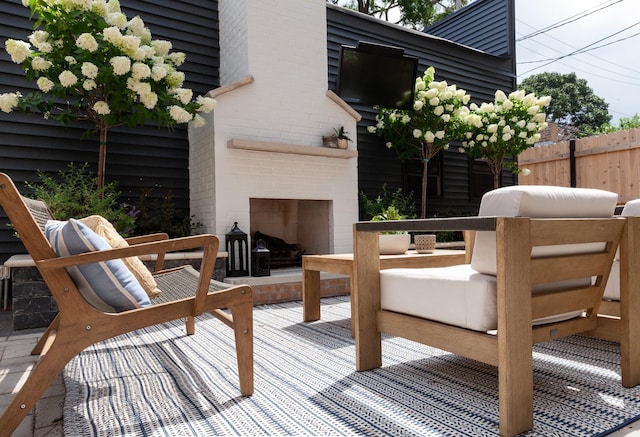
(260,161)
(290,228)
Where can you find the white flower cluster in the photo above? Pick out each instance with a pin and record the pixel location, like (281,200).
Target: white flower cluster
(512,122)
(434,113)
(80,72)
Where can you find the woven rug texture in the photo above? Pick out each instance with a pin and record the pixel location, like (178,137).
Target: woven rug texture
(160,382)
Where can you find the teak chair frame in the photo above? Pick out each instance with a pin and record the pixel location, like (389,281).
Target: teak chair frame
(616,318)
(79,325)
(511,348)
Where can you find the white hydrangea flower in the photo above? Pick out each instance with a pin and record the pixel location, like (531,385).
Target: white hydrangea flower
(149,100)
(184,95)
(199,121)
(161,47)
(9,101)
(89,84)
(40,64)
(37,37)
(102,108)
(418,105)
(429,137)
(140,70)
(177,58)
(45,84)
(129,44)
(18,50)
(99,7)
(89,70)
(112,34)
(205,104)
(175,79)
(116,19)
(70,60)
(88,42)
(67,79)
(121,65)
(180,115)
(113,6)
(158,72)
(417,133)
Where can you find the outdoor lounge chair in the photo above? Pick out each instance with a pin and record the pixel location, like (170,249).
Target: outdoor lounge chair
(535,253)
(78,324)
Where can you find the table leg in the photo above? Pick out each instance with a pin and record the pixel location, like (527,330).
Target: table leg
(310,295)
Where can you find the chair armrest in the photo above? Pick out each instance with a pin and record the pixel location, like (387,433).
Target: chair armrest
(146,238)
(429,225)
(132,241)
(206,241)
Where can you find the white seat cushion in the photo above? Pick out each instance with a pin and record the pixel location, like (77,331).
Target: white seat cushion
(457,295)
(612,290)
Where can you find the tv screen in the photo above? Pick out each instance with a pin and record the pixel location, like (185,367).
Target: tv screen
(376,75)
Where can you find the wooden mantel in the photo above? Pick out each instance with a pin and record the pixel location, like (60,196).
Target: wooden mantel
(294,149)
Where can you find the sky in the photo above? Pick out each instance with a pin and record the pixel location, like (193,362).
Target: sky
(608,29)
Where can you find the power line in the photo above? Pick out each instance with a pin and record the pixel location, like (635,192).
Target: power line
(581,50)
(568,20)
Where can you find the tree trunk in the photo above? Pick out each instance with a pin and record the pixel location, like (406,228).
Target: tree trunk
(102,157)
(423,206)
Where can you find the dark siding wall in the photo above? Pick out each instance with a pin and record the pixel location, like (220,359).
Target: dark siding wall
(141,158)
(486,25)
(478,72)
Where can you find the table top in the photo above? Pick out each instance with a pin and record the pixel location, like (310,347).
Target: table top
(409,253)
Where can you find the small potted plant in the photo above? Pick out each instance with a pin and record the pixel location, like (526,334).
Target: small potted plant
(392,243)
(339,138)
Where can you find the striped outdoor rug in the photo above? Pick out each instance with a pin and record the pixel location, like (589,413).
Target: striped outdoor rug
(158,381)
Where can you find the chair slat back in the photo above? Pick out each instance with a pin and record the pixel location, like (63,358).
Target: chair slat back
(28,217)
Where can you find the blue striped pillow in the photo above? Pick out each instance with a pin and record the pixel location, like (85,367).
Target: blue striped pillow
(109,286)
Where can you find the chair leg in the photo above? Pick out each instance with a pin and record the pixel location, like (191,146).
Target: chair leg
(53,326)
(190,325)
(243,330)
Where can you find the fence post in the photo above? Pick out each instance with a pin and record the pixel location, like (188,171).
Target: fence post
(572,162)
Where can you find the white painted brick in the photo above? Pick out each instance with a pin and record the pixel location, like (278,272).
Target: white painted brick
(282,43)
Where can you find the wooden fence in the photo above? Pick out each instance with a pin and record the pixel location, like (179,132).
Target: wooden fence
(610,162)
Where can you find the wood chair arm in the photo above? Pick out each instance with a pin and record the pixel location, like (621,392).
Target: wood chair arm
(208,242)
(429,225)
(132,241)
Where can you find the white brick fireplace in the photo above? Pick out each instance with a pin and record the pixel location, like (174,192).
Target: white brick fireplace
(262,144)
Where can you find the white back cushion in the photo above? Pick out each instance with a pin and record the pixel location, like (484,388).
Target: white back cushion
(537,201)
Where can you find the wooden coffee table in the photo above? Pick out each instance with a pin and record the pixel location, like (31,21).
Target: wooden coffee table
(312,265)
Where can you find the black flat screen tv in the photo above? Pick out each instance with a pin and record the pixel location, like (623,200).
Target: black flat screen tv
(376,75)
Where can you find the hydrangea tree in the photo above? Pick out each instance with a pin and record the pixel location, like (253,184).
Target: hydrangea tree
(503,128)
(90,62)
(420,133)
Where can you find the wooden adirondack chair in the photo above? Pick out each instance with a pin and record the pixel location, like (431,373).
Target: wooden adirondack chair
(530,280)
(186,294)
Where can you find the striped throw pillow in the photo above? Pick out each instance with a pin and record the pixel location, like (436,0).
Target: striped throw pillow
(109,286)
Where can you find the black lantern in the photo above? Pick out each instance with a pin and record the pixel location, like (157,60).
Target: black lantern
(237,252)
(260,259)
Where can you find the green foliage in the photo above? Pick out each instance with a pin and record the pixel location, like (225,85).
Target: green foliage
(380,206)
(416,14)
(160,215)
(74,194)
(572,100)
(625,123)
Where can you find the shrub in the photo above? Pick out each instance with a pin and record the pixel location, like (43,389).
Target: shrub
(74,193)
